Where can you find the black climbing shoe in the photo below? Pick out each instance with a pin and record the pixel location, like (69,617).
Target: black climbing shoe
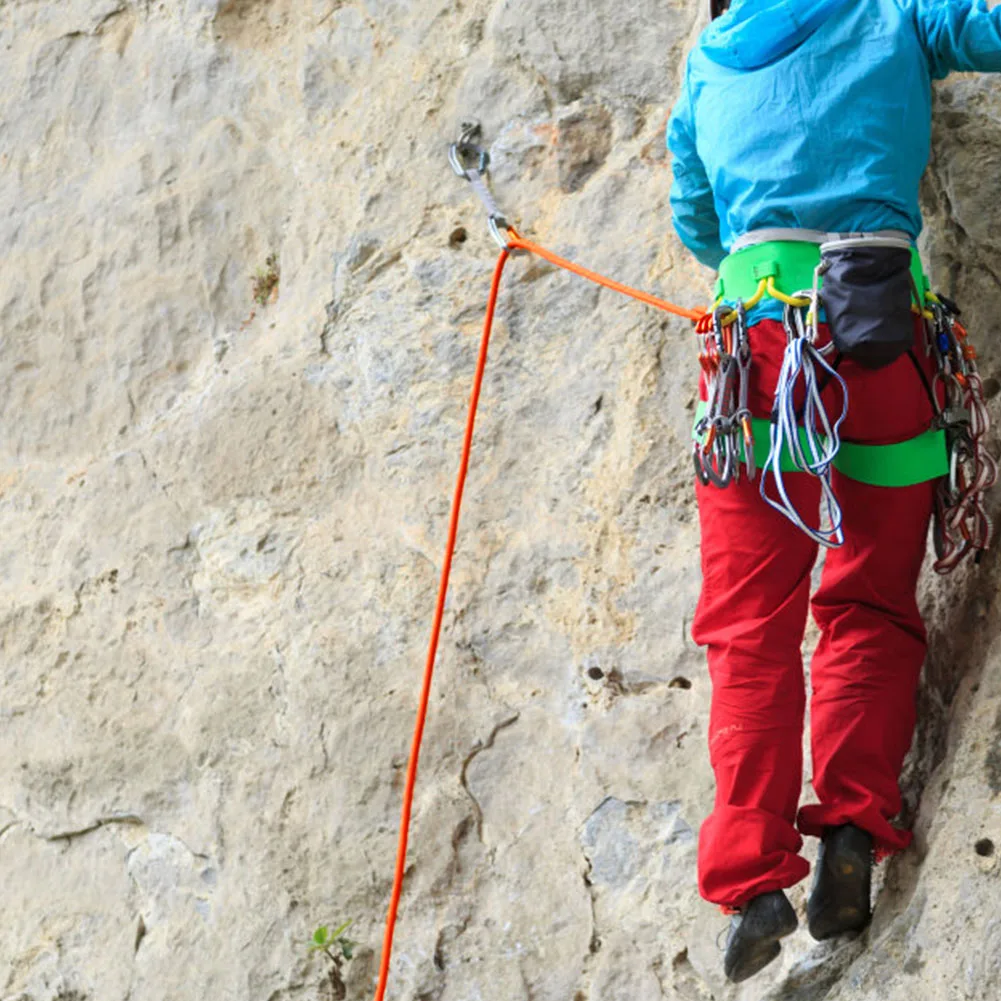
(842,881)
(753,941)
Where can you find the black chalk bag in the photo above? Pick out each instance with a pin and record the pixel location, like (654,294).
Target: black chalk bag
(867,295)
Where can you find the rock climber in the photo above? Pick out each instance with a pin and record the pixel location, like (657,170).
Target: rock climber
(799,120)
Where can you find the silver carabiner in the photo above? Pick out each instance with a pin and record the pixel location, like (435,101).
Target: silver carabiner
(956,458)
(719,469)
(496,223)
(700,464)
(467,148)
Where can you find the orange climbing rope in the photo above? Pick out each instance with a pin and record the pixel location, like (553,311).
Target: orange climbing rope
(446,569)
(515,242)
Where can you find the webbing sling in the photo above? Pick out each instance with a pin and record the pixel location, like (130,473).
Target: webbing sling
(901,464)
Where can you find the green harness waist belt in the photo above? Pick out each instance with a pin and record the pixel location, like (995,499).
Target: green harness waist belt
(901,464)
(790,263)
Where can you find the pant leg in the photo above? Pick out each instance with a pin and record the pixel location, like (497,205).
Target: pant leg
(751,618)
(868,661)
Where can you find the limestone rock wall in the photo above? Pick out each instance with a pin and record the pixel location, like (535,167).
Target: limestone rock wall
(221,521)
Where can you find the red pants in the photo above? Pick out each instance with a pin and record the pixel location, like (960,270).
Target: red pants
(751,618)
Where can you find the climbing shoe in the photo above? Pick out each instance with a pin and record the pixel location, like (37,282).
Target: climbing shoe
(839,900)
(753,940)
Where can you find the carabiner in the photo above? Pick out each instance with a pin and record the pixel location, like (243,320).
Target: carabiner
(496,223)
(742,418)
(700,468)
(719,468)
(467,148)
(960,452)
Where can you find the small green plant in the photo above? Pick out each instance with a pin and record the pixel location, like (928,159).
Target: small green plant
(339,949)
(265,282)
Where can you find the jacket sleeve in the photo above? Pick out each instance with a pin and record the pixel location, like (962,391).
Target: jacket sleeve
(959,35)
(693,210)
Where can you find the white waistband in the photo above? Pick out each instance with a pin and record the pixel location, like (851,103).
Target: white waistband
(884,237)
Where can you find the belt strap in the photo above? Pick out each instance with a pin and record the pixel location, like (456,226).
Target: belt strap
(901,464)
(818,236)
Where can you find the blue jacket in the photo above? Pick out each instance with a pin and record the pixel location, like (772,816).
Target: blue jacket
(815,114)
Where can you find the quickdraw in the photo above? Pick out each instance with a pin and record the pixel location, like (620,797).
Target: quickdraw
(962,525)
(724,431)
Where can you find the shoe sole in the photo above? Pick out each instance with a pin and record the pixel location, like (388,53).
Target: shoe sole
(755,960)
(759,955)
(843,898)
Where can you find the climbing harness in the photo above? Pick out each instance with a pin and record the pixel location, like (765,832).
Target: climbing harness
(778,262)
(953,451)
(727,436)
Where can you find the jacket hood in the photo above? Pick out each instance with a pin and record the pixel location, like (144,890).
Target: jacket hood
(753,33)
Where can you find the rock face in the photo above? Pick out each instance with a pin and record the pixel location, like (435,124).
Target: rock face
(221,520)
